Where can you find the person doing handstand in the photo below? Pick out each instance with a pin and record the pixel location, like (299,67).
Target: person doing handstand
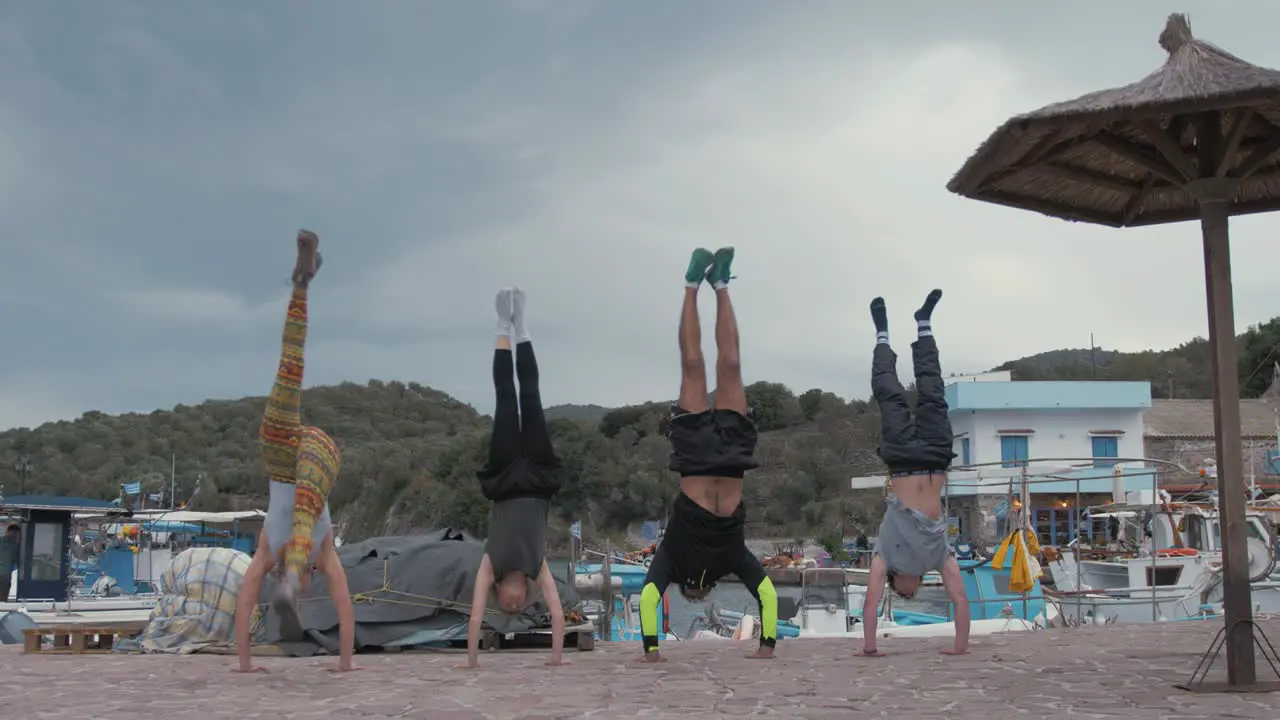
(913,534)
(520,478)
(302,465)
(712,448)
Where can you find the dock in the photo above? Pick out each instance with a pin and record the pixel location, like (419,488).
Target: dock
(790,577)
(79,638)
(1092,672)
(92,617)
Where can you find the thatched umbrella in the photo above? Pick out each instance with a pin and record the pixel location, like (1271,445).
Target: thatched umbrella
(1196,139)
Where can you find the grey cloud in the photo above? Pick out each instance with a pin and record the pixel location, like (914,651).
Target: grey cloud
(155,161)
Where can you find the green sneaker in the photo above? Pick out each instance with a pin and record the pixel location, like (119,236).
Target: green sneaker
(720,272)
(699,264)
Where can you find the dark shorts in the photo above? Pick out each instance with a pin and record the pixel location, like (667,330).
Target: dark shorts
(715,443)
(523,478)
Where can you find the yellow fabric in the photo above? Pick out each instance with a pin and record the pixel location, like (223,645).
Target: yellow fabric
(650,598)
(1017,552)
(768,609)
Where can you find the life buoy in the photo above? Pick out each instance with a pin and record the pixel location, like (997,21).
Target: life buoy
(1177,552)
(666,614)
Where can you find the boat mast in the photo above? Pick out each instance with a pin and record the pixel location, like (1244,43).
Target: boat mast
(1274,391)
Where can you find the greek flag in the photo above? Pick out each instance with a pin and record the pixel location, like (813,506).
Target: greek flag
(155,497)
(1002,509)
(133,488)
(576,529)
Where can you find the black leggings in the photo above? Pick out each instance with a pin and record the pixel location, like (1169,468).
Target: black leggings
(519,425)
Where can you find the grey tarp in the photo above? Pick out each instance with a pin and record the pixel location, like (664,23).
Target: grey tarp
(404,587)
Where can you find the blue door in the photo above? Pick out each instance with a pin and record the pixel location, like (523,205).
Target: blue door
(45,563)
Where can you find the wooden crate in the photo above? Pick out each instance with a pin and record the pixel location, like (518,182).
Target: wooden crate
(79,639)
(581,637)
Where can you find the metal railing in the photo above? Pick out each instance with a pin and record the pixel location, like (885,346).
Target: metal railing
(1027,478)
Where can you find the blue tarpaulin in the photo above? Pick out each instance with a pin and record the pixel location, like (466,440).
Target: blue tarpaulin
(166,526)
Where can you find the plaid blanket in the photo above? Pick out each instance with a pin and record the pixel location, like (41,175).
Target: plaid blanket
(197,606)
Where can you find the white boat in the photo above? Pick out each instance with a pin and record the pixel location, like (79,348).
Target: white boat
(1174,574)
(831,607)
(825,614)
(858,576)
(625,583)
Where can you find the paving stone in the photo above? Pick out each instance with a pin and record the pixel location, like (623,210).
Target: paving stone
(1091,672)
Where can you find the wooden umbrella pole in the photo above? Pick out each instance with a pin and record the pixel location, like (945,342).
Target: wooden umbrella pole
(1213,194)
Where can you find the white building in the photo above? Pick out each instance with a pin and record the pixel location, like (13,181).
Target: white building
(993,376)
(1069,435)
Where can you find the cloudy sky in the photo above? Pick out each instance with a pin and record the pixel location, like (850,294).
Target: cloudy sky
(157,157)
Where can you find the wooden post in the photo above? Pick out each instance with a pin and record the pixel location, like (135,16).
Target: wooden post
(606,592)
(572,574)
(1213,194)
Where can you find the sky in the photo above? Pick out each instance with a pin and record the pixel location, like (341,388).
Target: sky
(157,159)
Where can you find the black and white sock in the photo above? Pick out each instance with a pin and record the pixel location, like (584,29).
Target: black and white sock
(880,318)
(924,316)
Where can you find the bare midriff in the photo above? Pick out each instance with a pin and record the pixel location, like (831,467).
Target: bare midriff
(922,492)
(717,495)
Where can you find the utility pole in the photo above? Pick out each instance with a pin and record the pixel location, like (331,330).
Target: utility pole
(1093,356)
(23,469)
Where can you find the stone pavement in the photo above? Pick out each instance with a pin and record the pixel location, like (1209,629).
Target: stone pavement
(1094,672)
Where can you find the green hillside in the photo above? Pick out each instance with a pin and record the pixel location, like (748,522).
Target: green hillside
(410,453)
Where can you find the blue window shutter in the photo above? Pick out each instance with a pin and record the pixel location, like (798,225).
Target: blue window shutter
(1105,446)
(965,458)
(1013,448)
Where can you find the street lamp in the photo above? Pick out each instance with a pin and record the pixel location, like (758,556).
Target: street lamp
(23,468)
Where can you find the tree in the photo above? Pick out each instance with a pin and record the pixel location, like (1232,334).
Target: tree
(410,453)
(211,498)
(1259,351)
(773,406)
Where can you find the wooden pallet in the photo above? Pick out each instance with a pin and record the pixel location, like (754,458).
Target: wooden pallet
(581,637)
(79,639)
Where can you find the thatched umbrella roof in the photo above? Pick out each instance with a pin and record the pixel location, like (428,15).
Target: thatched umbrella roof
(1120,157)
(1194,140)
